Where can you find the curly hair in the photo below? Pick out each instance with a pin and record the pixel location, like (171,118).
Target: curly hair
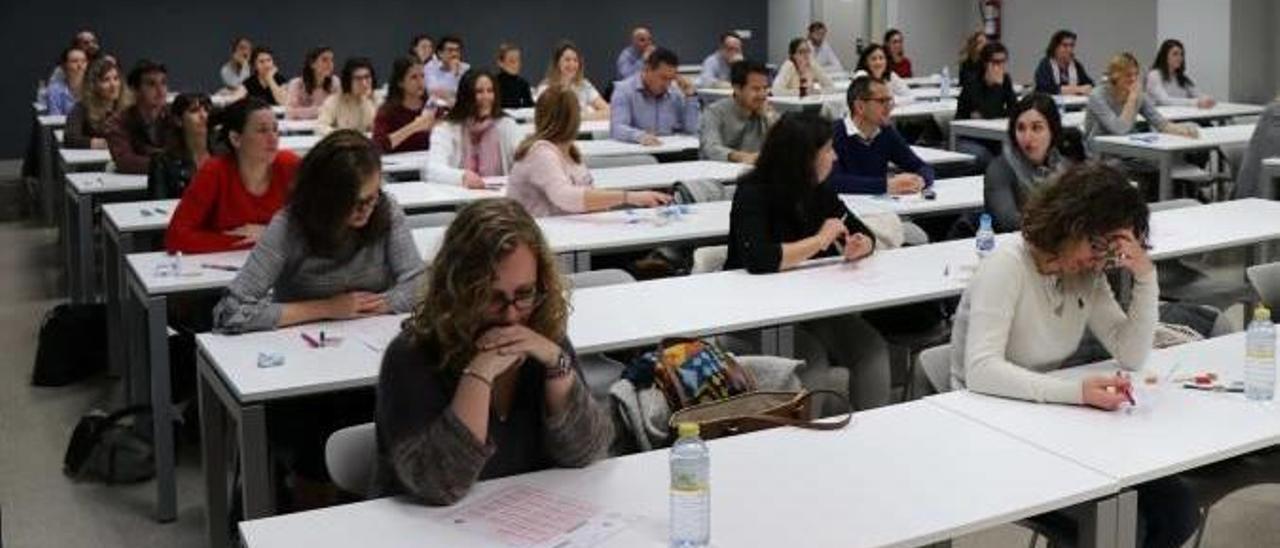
(1088,200)
(449,316)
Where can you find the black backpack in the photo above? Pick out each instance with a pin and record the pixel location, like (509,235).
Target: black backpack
(72,345)
(106,447)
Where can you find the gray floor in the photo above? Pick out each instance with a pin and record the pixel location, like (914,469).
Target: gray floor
(41,508)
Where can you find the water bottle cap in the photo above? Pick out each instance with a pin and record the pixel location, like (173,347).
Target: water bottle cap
(984,219)
(688,429)
(1262,313)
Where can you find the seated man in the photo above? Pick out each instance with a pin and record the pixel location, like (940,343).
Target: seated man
(866,141)
(632,57)
(824,56)
(443,73)
(733,128)
(654,102)
(715,68)
(137,133)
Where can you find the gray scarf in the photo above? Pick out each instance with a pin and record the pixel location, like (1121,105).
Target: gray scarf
(1032,177)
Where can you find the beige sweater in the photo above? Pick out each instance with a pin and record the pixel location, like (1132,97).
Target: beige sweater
(341,111)
(1014,325)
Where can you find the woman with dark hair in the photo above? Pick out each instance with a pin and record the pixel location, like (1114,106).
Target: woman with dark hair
(970,63)
(403,123)
(355,107)
(423,48)
(237,69)
(1059,73)
(483,382)
(187,149)
(63,93)
(1168,84)
(476,139)
(340,250)
(566,70)
(234,195)
(549,178)
(874,62)
(317,83)
(266,83)
(104,97)
(1028,160)
(988,97)
(1030,302)
(782,216)
(799,72)
(894,46)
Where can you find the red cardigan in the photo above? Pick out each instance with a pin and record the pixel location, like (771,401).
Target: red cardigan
(391,118)
(217,201)
(902,68)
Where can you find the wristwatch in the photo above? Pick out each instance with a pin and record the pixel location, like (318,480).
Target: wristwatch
(562,367)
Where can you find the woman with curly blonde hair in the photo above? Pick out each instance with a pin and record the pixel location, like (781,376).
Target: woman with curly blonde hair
(482,383)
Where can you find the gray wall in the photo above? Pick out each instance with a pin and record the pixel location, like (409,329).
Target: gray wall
(1253,46)
(1106,27)
(934,30)
(193,38)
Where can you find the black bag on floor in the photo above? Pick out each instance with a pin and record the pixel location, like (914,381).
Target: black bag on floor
(107,448)
(72,345)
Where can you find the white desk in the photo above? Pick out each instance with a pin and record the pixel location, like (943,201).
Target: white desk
(952,195)
(521,114)
(963,478)
(995,129)
(52,120)
(124,224)
(82,192)
(298,127)
(84,159)
(937,156)
(595,129)
(669,144)
(299,144)
(1270,172)
(1164,149)
(662,176)
(418,195)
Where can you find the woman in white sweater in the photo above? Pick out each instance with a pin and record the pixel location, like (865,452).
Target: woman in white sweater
(1030,302)
(800,72)
(476,139)
(1168,84)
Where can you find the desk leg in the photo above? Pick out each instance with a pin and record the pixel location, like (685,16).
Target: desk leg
(116,245)
(567,262)
(161,408)
(255,461)
(1166,176)
(48,187)
(582,261)
(1097,523)
(71,244)
(1127,519)
(213,432)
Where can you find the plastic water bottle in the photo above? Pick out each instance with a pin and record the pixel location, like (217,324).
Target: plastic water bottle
(944,92)
(986,240)
(690,489)
(1260,357)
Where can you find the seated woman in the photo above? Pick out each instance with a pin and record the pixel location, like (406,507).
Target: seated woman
(1027,307)
(237,69)
(266,83)
(894,45)
(799,75)
(355,107)
(783,216)
(187,149)
(64,91)
(233,196)
(987,97)
(482,383)
(403,123)
(104,97)
(423,48)
(513,88)
(1168,84)
(1059,72)
(340,250)
(317,83)
(566,70)
(549,178)
(1029,158)
(476,139)
(874,62)
(970,63)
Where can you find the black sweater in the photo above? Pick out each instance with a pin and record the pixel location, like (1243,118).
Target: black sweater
(764,217)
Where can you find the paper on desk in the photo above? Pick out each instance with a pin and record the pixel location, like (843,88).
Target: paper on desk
(527,516)
(375,333)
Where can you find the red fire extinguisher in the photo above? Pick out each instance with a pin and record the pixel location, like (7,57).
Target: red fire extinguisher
(991,18)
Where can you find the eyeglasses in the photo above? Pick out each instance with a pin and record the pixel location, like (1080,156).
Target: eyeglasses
(368,202)
(523,301)
(999,60)
(360,76)
(885,101)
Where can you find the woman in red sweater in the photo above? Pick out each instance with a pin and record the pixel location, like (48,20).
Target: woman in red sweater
(404,121)
(233,196)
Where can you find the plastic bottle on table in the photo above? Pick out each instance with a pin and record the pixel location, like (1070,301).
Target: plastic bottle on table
(1260,357)
(690,489)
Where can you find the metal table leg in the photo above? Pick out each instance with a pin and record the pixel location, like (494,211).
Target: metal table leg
(213,432)
(162,407)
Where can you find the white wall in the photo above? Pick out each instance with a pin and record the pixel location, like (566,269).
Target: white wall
(847,20)
(1204,27)
(934,30)
(1105,27)
(787,19)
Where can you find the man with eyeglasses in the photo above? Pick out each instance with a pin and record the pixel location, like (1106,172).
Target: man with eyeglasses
(445,71)
(989,97)
(866,141)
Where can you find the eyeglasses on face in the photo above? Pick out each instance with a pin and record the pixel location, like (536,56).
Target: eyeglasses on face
(522,301)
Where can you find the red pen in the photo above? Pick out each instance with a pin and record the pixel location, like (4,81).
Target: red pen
(310,341)
(1128,390)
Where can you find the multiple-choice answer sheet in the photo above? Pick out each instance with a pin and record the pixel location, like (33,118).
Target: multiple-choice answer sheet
(527,516)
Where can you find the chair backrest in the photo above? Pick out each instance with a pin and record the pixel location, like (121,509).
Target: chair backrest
(598,278)
(349,456)
(426,220)
(1265,279)
(700,190)
(1172,204)
(936,364)
(595,162)
(709,259)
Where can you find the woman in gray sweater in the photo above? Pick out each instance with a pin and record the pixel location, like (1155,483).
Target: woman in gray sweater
(1030,156)
(483,383)
(339,250)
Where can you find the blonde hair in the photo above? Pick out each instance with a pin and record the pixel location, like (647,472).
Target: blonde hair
(970,50)
(1121,62)
(556,117)
(458,290)
(100,109)
(552,77)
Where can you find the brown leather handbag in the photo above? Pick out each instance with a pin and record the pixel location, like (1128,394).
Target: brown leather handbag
(759,410)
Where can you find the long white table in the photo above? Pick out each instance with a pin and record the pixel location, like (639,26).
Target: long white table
(951,196)
(843,488)
(82,192)
(1164,149)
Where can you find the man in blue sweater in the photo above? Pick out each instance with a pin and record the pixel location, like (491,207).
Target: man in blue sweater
(866,141)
